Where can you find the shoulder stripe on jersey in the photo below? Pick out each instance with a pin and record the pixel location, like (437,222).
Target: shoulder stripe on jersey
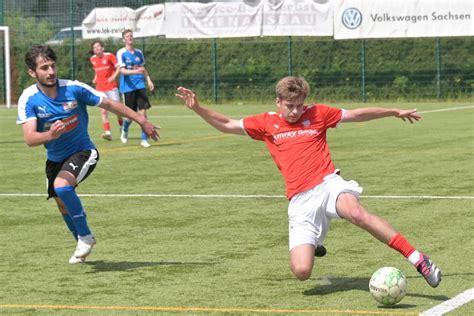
(119,57)
(343,116)
(23,121)
(23,100)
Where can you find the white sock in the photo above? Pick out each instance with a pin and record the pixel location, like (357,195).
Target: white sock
(414,257)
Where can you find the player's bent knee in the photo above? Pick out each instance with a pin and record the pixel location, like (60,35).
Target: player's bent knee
(302,275)
(302,272)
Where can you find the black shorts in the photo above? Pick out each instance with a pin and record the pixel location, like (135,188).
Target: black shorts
(81,165)
(137,100)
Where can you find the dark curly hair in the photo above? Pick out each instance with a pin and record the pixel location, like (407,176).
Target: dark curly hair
(36,51)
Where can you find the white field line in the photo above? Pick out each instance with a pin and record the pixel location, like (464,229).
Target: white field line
(450,305)
(243,196)
(448,109)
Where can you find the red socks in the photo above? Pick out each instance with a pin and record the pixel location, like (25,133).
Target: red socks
(106,126)
(400,244)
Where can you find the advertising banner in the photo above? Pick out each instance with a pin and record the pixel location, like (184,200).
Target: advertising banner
(111,22)
(403,18)
(213,20)
(297,18)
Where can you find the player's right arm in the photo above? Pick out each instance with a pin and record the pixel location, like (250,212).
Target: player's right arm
(35,138)
(213,118)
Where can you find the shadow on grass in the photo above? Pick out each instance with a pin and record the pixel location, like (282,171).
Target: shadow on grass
(328,285)
(111,266)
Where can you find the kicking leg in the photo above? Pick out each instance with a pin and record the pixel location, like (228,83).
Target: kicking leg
(349,208)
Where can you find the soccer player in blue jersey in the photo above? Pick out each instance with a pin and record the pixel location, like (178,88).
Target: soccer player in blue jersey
(53,113)
(133,75)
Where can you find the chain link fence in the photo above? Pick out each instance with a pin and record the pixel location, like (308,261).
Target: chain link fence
(246,69)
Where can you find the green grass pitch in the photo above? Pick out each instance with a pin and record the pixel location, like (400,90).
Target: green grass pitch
(200,245)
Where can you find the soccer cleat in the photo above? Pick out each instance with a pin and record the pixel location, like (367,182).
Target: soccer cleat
(124,136)
(428,270)
(107,135)
(76,260)
(83,249)
(145,143)
(320,251)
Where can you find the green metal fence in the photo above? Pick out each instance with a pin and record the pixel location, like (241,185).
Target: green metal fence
(247,68)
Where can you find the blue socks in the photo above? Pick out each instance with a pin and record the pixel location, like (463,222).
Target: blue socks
(144,136)
(126,125)
(74,207)
(70,225)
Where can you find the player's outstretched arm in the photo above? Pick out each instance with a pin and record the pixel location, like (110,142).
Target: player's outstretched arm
(215,119)
(367,114)
(120,109)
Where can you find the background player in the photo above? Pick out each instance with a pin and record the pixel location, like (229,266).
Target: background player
(132,83)
(296,139)
(106,71)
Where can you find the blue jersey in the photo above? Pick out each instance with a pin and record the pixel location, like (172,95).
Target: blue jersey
(131,60)
(69,106)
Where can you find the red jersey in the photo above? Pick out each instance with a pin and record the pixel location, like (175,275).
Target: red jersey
(299,149)
(104,68)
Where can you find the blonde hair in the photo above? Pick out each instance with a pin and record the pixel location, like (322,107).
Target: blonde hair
(290,88)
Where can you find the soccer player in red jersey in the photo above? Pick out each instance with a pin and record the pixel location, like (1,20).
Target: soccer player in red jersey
(106,70)
(295,135)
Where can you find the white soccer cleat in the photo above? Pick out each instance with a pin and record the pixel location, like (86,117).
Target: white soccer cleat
(83,249)
(124,137)
(145,143)
(107,135)
(76,260)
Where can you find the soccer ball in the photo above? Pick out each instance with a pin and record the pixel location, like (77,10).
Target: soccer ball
(388,285)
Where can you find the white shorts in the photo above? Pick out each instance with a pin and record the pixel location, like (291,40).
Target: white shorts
(310,212)
(113,94)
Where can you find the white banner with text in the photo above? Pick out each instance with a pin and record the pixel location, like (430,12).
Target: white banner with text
(403,18)
(213,20)
(111,22)
(343,19)
(297,18)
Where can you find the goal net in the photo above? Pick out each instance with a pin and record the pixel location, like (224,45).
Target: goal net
(5,73)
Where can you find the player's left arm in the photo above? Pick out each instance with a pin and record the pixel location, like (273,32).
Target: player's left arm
(114,62)
(146,74)
(120,109)
(151,86)
(367,114)
(114,75)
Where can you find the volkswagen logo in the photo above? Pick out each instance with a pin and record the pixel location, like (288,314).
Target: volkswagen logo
(351,18)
